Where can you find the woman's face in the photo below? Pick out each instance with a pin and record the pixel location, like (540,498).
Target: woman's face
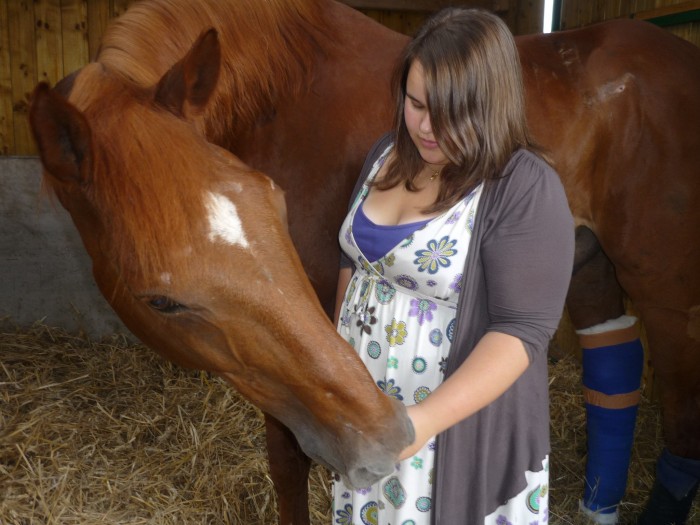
(417,117)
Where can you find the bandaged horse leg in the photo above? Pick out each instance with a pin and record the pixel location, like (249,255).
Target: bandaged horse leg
(675,487)
(613,359)
(595,297)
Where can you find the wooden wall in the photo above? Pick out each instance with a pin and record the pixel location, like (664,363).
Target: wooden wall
(44,40)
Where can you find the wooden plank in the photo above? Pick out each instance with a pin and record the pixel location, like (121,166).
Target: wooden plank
(23,71)
(401,5)
(501,7)
(98,15)
(49,46)
(689,32)
(75,35)
(623,8)
(585,14)
(399,21)
(408,21)
(7,133)
(642,5)
(569,17)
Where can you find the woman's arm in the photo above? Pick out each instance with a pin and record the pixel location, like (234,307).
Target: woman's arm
(497,361)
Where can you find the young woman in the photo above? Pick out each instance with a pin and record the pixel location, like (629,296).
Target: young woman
(459,249)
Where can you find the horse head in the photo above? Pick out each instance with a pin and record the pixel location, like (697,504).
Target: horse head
(190,247)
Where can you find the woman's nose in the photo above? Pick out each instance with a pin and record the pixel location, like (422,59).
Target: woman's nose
(424,125)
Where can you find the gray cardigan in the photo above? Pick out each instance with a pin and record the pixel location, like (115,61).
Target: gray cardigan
(515,281)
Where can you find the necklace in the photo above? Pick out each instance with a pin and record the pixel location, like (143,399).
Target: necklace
(434,171)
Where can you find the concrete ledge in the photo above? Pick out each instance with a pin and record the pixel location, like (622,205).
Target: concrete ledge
(46,274)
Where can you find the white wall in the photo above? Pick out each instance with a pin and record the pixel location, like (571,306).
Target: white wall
(45,273)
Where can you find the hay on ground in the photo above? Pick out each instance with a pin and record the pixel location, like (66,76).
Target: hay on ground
(107,432)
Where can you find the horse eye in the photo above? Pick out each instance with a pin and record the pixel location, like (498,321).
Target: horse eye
(165,304)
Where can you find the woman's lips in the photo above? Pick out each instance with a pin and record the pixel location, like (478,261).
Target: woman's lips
(428,144)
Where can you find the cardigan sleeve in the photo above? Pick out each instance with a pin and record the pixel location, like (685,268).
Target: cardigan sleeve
(377,149)
(527,254)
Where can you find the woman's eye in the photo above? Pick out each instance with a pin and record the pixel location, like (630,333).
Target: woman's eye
(165,304)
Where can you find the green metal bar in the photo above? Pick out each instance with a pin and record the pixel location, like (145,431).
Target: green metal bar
(675,19)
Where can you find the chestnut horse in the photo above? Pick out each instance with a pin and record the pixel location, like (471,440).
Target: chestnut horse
(190,245)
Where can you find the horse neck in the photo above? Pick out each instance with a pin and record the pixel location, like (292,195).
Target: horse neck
(349,76)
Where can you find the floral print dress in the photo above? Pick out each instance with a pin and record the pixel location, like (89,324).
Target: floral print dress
(399,315)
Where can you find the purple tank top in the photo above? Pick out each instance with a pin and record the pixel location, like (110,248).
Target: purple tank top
(375,240)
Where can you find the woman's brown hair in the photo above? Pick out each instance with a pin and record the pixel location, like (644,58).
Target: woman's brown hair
(474,94)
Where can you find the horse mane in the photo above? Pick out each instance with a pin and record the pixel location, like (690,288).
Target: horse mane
(268,49)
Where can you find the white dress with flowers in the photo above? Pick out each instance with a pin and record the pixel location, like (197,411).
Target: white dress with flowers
(399,315)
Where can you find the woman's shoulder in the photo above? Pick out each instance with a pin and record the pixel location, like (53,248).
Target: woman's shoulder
(526,171)
(528,182)
(377,153)
(381,146)
(528,163)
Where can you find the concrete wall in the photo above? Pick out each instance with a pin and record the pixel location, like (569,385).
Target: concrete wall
(45,273)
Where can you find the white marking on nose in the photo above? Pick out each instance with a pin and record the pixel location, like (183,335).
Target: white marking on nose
(224,222)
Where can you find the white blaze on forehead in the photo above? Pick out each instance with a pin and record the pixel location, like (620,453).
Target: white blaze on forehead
(224,222)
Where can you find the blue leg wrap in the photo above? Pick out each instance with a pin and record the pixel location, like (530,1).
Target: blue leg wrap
(612,367)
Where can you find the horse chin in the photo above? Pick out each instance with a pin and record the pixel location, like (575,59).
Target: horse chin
(359,462)
(362,477)
(365,473)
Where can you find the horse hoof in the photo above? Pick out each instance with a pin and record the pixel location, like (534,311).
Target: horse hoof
(663,508)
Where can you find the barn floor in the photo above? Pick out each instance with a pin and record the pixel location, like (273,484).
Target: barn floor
(107,432)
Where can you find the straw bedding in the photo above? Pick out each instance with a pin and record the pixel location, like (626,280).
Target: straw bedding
(107,432)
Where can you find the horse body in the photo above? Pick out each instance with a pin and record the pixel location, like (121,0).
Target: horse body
(300,93)
(620,120)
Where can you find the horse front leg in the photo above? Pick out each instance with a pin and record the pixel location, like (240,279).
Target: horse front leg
(613,360)
(289,470)
(674,341)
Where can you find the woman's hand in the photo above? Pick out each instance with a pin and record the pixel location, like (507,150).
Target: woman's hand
(423,429)
(496,362)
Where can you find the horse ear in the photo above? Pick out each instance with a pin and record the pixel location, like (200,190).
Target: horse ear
(187,87)
(62,134)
